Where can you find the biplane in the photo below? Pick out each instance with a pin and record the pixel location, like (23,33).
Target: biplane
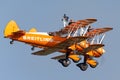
(90,48)
(66,41)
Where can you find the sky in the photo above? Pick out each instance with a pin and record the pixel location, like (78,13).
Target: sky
(16,60)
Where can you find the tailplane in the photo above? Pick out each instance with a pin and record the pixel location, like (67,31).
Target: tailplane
(10,28)
(33,30)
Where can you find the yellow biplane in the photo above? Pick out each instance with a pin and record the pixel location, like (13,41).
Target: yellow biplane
(90,48)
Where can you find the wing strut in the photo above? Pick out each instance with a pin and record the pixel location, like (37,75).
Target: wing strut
(102,38)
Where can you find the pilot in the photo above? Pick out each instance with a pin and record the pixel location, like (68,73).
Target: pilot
(65,20)
(70,22)
(89,28)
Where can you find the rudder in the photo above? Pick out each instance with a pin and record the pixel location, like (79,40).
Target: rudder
(10,28)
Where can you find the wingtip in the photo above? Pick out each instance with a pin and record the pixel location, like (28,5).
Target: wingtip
(92,19)
(33,53)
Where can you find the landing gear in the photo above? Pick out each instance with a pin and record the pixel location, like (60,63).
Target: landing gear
(11,42)
(64,62)
(82,66)
(33,48)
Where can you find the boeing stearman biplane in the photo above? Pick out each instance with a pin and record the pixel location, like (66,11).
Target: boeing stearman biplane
(66,41)
(90,48)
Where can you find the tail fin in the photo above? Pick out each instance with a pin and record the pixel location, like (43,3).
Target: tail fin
(33,30)
(10,28)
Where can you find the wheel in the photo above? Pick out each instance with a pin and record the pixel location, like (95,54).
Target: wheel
(82,66)
(33,48)
(64,62)
(94,66)
(11,42)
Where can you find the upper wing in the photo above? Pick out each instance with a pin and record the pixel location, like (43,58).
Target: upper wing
(60,46)
(98,31)
(74,26)
(91,47)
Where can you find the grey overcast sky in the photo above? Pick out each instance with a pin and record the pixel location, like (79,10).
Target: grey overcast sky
(16,60)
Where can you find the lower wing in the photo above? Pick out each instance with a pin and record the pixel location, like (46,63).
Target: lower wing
(62,45)
(91,47)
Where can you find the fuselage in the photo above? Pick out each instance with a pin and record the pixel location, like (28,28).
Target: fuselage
(38,39)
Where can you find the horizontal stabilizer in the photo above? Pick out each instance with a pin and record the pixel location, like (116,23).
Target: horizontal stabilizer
(19,33)
(33,30)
